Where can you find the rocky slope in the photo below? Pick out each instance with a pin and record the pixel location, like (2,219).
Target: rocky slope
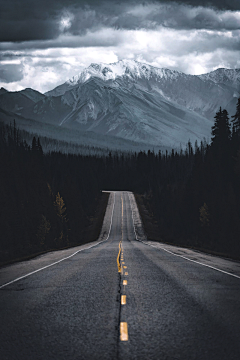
(133,101)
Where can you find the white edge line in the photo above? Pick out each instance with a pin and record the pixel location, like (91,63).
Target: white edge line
(45,267)
(170,252)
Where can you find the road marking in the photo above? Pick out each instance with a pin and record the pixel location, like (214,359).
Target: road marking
(197,262)
(170,252)
(120,253)
(124,282)
(123,299)
(122,205)
(118,262)
(123,331)
(68,257)
(123,262)
(126,273)
(125,267)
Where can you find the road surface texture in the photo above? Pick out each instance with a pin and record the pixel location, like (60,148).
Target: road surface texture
(121,297)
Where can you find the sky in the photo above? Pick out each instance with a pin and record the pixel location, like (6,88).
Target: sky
(45,42)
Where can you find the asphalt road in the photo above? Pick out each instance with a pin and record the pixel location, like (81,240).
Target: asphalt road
(172,306)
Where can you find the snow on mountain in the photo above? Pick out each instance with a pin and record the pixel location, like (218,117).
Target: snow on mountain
(128,69)
(137,102)
(224,76)
(201,94)
(132,106)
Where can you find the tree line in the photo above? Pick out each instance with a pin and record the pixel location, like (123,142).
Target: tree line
(48,201)
(192,197)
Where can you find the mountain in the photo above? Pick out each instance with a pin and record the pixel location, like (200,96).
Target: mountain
(134,102)
(228,77)
(33,95)
(203,94)
(14,101)
(3,91)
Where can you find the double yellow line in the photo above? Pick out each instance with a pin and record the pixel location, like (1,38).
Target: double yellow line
(120,244)
(118,257)
(123,325)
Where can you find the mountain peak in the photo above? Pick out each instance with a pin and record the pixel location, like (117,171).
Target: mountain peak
(3,91)
(123,68)
(223,76)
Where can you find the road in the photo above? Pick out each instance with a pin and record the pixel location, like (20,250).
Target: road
(120,298)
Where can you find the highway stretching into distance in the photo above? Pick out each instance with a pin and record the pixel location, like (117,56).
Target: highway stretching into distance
(120,298)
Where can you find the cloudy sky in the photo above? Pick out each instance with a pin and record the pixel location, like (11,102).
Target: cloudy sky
(45,42)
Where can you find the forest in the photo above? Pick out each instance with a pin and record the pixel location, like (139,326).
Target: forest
(54,200)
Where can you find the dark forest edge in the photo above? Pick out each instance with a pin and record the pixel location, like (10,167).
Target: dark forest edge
(91,234)
(192,197)
(151,231)
(48,201)
(201,210)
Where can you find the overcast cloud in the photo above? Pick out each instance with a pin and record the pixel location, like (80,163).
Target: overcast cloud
(43,43)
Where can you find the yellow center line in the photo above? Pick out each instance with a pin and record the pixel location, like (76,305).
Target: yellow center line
(123,299)
(124,282)
(118,262)
(120,252)
(123,331)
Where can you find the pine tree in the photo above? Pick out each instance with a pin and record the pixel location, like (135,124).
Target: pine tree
(204,216)
(34,144)
(43,230)
(60,208)
(39,147)
(221,129)
(221,135)
(236,120)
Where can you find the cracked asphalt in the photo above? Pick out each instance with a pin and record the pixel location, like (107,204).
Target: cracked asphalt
(175,309)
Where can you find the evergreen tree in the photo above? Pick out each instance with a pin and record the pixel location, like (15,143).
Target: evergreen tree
(39,147)
(204,215)
(43,229)
(221,129)
(34,144)
(221,135)
(60,208)
(236,120)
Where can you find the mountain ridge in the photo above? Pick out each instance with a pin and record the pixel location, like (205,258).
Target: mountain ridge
(135,101)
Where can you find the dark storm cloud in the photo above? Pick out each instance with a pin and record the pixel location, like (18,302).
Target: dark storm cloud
(99,39)
(27,20)
(11,72)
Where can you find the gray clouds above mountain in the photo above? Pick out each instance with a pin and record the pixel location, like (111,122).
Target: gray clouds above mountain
(42,43)
(28,20)
(11,72)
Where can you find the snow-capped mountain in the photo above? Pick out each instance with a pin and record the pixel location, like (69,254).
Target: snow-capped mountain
(130,70)
(203,94)
(229,77)
(135,101)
